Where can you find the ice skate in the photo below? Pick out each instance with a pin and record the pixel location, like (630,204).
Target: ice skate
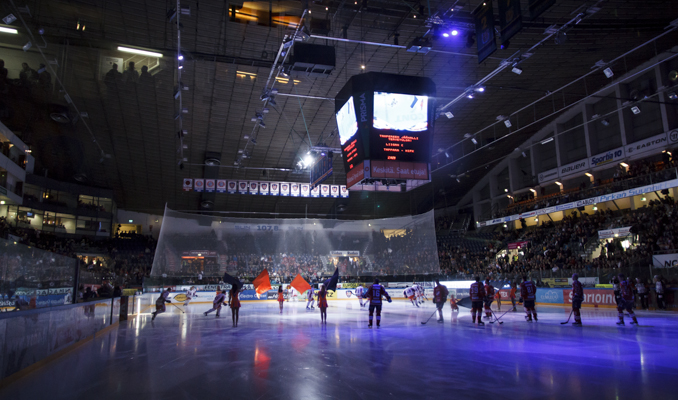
(369,325)
(535,318)
(154,315)
(481,323)
(576,323)
(620,323)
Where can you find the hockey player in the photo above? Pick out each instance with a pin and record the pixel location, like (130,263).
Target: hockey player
(281,298)
(497,298)
(190,294)
(453,304)
(160,303)
(528,293)
(219,299)
(512,295)
(418,293)
(625,300)
(322,304)
(477,293)
(440,293)
(410,293)
(234,303)
(577,298)
(359,291)
(309,299)
(489,297)
(374,293)
(642,293)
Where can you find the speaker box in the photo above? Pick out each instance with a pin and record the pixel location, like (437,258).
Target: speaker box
(313,60)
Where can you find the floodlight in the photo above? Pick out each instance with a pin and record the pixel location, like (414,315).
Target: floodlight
(139,51)
(635,109)
(547,140)
(27,46)
(673,96)
(447,154)
(454,32)
(608,72)
(507,122)
(474,140)
(8,30)
(449,115)
(605,122)
(517,70)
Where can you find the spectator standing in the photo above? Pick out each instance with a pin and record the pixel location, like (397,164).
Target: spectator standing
(130,75)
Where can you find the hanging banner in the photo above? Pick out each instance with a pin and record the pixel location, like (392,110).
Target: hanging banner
(305,190)
(221,186)
(334,190)
(294,189)
(577,167)
(242,187)
(609,157)
(209,185)
(275,188)
(537,7)
(188,185)
(254,187)
(344,191)
(517,245)
(510,19)
(232,187)
(548,176)
(325,190)
(665,260)
(616,232)
(263,188)
(199,185)
(284,189)
(485,40)
(315,192)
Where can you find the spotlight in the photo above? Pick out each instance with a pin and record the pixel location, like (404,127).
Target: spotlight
(449,115)
(608,72)
(458,181)
(180,57)
(362,67)
(479,89)
(505,190)
(605,122)
(184,110)
(181,65)
(474,140)
(524,155)
(447,154)
(517,70)
(547,140)
(505,45)
(454,32)
(507,123)
(470,95)
(246,137)
(635,109)
(445,34)
(41,31)
(27,46)
(673,96)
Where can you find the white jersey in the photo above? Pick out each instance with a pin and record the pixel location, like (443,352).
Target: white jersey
(409,292)
(309,294)
(359,291)
(659,287)
(417,289)
(190,293)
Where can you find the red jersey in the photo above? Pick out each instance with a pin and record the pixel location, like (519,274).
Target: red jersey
(513,293)
(577,290)
(375,292)
(528,291)
(477,292)
(489,290)
(440,293)
(626,290)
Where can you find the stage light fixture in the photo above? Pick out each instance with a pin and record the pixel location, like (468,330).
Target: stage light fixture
(507,122)
(458,180)
(524,155)
(445,34)
(608,72)
(635,110)
(470,95)
(362,67)
(125,49)
(558,183)
(27,46)
(479,89)
(623,164)
(447,155)
(517,70)
(454,32)
(9,19)
(505,190)
(590,175)
(474,141)
(605,122)
(673,96)
(8,30)
(180,57)
(505,45)
(449,115)
(547,140)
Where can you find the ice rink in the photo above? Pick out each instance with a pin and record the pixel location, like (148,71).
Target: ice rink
(293,356)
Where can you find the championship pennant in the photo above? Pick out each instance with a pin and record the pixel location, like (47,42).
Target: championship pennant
(294,189)
(199,185)
(232,187)
(188,184)
(485,39)
(242,187)
(254,187)
(344,191)
(315,192)
(325,190)
(305,192)
(284,189)
(263,188)
(209,185)
(334,191)
(275,188)
(221,186)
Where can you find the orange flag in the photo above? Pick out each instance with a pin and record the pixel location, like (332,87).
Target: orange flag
(262,283)
(300,284)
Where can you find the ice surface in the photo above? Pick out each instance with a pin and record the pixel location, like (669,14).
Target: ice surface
(293,356)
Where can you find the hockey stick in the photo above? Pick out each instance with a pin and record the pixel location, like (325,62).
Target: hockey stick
(568,318)
(178,307)
(497,319)
(429,318)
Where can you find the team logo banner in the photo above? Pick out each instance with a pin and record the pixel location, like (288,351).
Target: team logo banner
(305,192)
(188,185)
(221,186)
(199,185)
(232,187)
(242,187)
(275,188)
(315,192)
(263,188)
(344,191)
(325,190)
(209,185)
(284,189)
(254,187)
(294,189)
(334,190)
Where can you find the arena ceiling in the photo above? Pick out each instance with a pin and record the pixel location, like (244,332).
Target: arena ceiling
(225,69)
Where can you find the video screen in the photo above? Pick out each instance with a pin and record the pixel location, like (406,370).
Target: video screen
(400,112)
(347,121)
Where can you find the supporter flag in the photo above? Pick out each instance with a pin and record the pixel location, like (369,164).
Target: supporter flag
(262,283)
(209,185)
(199,185)
(465,302)
(331,283)
(300,284)
(221,186)
(233,281)
(188,184)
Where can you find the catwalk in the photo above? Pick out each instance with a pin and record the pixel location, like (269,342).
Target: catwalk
(293,356)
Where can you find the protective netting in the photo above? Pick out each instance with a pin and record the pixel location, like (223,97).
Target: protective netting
(192,244)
